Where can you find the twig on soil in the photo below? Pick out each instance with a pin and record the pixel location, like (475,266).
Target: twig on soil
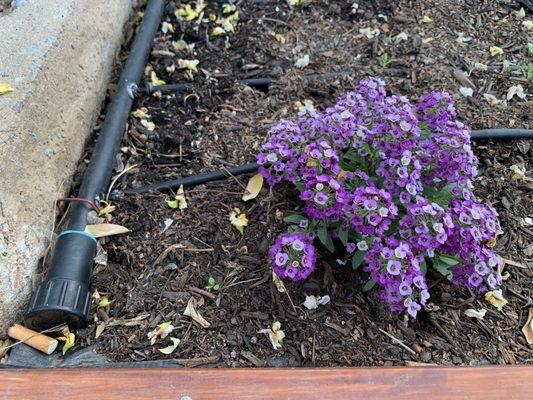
(202,292)
(444,333)
(117,178)
(195,362)
(234,177)
(398,341)
(239,283)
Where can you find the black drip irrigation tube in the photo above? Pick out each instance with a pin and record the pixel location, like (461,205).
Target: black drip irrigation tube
(64,296)
(483,134)
(262,83)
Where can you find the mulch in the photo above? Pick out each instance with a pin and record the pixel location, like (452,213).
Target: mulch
(151,273)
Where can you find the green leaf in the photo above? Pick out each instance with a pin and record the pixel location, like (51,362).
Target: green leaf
(216,286)
(172,203)
(423,267)
(369,285)
(357,259)
(324,237)
(211,281)
(442,196)
(443,268)
(448,259)
(343,236)
(293,219)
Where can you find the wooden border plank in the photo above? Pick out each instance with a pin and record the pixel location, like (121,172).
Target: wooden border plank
(427,383)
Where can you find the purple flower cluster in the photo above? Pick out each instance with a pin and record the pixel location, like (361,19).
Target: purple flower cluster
(293,256)
(394,183)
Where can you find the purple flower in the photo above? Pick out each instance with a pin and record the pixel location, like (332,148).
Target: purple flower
(394,267)
(350,247)
(321,198)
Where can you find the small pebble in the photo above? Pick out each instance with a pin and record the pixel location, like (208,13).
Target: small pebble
(277,362)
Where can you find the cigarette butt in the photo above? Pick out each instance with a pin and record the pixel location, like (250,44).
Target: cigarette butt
(34,339)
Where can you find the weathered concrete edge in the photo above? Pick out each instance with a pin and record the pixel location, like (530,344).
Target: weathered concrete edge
(48,121)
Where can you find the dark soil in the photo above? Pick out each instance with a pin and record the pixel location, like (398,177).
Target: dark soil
(151,273)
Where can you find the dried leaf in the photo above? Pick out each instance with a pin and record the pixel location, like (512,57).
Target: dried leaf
(170,349)
(369,33)
(253,188)
(99,329)
(278,283)
(479,314)
(6,88)
(491,99)
(191,312)
(496,298)
(527,330)
(101,230)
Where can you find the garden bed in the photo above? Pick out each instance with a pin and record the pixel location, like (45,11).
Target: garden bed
(152,272)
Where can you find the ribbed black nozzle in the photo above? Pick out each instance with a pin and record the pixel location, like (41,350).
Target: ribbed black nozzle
(64,296)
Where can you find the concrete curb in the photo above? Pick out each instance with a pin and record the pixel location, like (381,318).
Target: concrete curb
(58,56)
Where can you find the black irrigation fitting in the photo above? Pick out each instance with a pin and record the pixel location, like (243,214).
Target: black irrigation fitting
(502,134)
(252,167)
(195,180)
(257,83)
(64,297)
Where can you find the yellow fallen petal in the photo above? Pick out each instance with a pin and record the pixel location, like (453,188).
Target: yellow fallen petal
(228,8)
(104,302)
(238,219)
(253,188)
(141,113)
(280,38)
(167,27)
(180,198)
(148,124)
(189,64)
(6,88)
(218,31)
(495,51)
(426,19)
(496,298)
(155,80)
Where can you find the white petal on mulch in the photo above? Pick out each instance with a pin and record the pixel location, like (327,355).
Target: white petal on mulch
(190,311)
(479,314)
(466,91)
(302,62)
(312,302)
(275,334)
(172,347)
